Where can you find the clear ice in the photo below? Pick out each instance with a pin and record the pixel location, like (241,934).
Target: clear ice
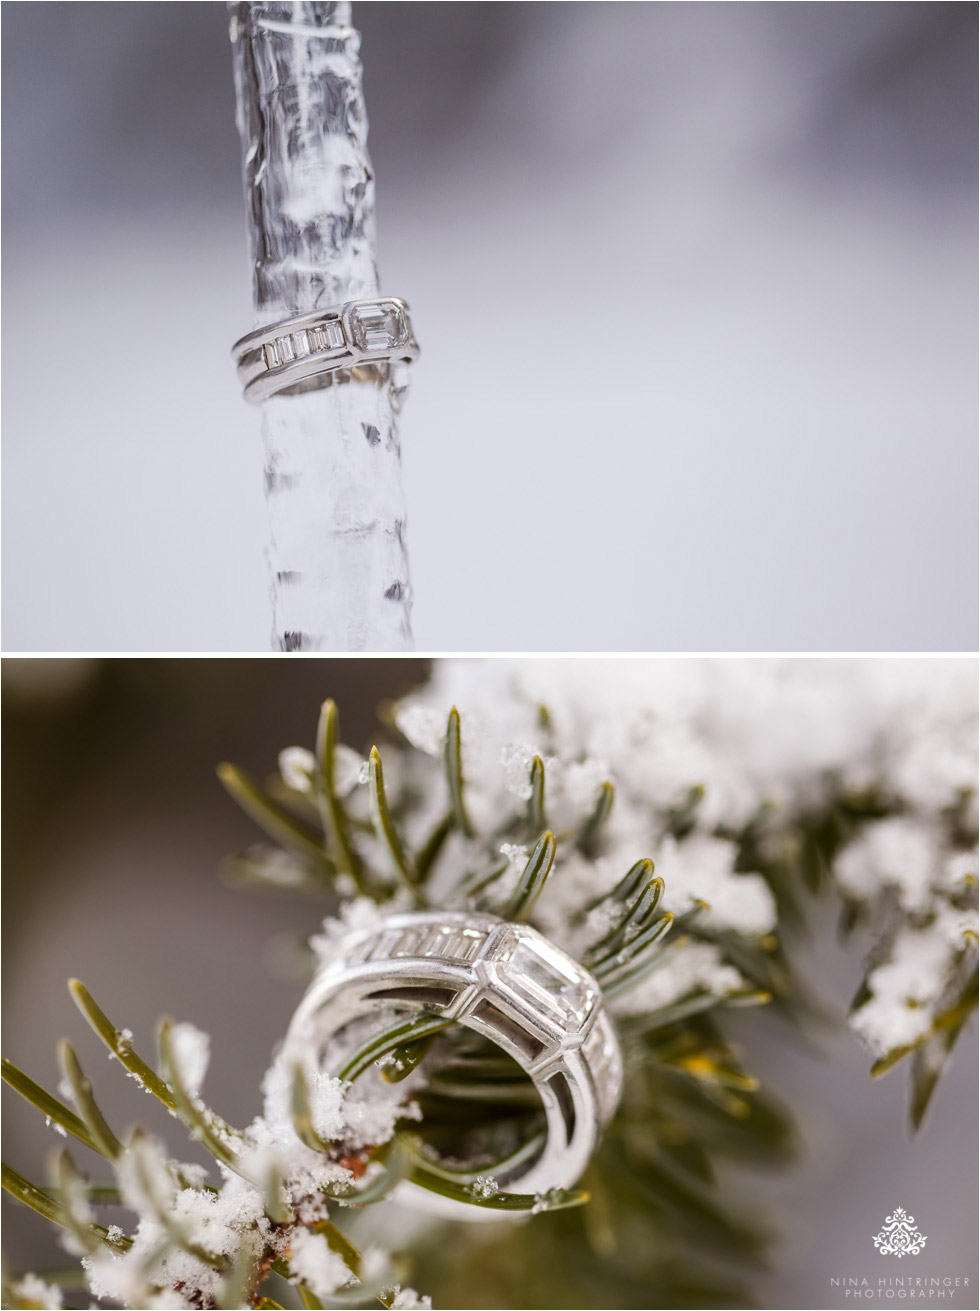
(337,552)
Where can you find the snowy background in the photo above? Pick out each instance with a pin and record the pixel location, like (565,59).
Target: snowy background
(736,242)
(116,828)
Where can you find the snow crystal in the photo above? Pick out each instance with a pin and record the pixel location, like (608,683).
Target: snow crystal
(124,1040)
(703,868)
(279,867)
(192,1052)
(360,913)
(297,767)
(516,759)
(907,985)
(423,727)
(697,967)
(347,765)
(959,869)
(406,1299)
(312,1260)
(886,1022)
(515,852)
(36,1292)
(117,1278)
(900,853)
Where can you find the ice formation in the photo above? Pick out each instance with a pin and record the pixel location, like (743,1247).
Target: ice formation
(337,551)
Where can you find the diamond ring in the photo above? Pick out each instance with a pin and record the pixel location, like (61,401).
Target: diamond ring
(508,983)
(294,355)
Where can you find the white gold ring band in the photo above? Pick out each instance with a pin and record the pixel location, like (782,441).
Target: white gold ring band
(291,356)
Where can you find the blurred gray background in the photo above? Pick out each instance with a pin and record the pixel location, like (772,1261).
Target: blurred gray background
(116,826)
(695,285)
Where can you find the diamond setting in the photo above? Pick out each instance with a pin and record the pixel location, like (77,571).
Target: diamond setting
(551,981)
(327,336)
(444,941)
(381,327)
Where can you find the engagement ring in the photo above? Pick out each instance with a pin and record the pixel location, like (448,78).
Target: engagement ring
(506,982)
(295,355)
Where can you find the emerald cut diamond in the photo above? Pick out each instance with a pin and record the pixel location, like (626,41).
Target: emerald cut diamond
(379,327)
(545,976)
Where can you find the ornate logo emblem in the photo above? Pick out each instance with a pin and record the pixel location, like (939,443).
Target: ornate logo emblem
(900,1237)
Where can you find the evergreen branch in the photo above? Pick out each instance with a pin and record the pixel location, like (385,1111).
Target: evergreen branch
(628,977)
(686,1007)
(268,869)
(536,822)
(614,959)
(637,918)
(635,878)
(385,829)
(526,1151)
(240,1279)
(282,826)
(590,835)
(49,1106)
(927,1066)
(301,1114)
(428,854)
(70,1184)
(328,802)
(532,879)
(427,1175)
(41,1201)
(405,1031)
(402,1060)
(454,775)
(38,1199)
(681,819)
(949,1021)
(687,917)
(81,1088)
(277,1208)
(382,1289)
(145,1168)
(480,879)
(516,1092)
(395,1159)
(98,1194)
(206,1127)
(341,1245)
(119,1044)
